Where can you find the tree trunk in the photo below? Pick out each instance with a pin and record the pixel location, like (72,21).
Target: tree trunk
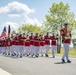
(59,45)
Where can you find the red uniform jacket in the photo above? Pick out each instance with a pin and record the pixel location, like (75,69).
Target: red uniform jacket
(13,41)
(31,40)
(63,34)
(42,42)
(37,41)
(0,43)
(27,43)
(16,41)
(53,40)
(21,40)
(8,42)
(47,39)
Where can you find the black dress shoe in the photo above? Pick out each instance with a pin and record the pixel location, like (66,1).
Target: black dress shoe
(27,54)
(3,53)
(36,56)
(53,56)
(46,55)
(14,53)
(17,55)
(68,61)
(42,55)
(32,55)
(20,56)
(8,53)
(63,61)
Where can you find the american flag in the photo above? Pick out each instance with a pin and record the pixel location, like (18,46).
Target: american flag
(3,32)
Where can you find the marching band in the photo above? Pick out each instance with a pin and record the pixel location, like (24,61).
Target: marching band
(21,44)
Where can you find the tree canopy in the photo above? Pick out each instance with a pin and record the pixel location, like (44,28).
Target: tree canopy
(28,28)
(58,14)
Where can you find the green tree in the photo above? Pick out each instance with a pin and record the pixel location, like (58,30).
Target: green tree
(30,28)
(58,14)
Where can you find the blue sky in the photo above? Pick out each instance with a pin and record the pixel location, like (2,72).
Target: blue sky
(17,12)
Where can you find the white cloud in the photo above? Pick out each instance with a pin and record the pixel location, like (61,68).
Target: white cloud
(16,7)
(12,25)
(14,15)
(33,21)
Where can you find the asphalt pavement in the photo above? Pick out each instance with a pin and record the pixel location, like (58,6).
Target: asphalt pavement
(37,66)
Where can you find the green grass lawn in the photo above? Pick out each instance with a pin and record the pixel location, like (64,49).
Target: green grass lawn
(72,52)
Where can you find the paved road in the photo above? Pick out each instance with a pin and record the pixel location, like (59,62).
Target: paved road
(37,66)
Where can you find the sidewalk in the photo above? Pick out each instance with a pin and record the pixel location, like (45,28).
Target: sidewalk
(3,72)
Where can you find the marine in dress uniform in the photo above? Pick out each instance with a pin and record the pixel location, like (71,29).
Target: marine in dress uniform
(42,44)
(37,44)
(0,45)
(54,39)
(8,45)
(13,42)
(16,44)
(27,45)
(3,45)
(12,45)
(31,37)
(21,45)
(47,38)
(66,39)
(24,50)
